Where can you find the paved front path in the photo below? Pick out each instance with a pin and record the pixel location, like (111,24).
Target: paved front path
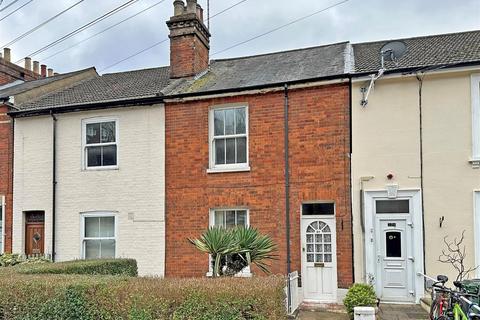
(401,312)
(386,312)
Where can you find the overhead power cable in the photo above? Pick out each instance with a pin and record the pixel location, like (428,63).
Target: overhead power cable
(165,40)
(19,8)
(82,28)
(281,27)
(9,5)
(20,37)
(102,31)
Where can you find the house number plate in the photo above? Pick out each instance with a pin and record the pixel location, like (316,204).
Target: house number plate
(319,264)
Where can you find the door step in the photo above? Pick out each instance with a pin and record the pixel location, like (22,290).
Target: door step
(425,303)
(329,307)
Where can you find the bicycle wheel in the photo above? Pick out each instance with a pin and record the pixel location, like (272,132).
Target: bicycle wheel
(437,309)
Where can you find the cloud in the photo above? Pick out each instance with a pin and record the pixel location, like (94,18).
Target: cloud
(355,20)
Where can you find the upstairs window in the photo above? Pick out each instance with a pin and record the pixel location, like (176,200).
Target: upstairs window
(229,139)
(100,143)
(475,88)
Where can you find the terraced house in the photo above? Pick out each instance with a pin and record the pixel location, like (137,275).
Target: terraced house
(141,160)
(17,85)
(415,159)
(131,164)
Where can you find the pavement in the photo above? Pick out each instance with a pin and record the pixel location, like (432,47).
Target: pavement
(386,312)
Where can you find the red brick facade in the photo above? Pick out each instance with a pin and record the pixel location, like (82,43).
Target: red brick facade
(10,72)
(6,169)
(319,139)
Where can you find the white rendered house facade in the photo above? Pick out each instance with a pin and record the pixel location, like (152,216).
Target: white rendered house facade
(110,185)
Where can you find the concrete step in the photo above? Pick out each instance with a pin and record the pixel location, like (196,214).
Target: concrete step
(425,303)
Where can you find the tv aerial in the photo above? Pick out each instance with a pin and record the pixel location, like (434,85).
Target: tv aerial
(391,51)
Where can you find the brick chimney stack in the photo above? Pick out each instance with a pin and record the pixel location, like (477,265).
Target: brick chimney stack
(6,54)
(36,67)
(43,70)
(189,40)
(28,63)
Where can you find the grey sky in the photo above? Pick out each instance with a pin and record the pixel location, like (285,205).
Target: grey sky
(355,21)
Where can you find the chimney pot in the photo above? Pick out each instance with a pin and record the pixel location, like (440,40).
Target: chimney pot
(179,7)
(50,72)
(6,54)
(36,67)
(200,12)
(43,70)
(191,6)
(28,63)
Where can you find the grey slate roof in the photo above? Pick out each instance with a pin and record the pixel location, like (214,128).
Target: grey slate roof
(437,50)
(267,69)
(29,85)
(109,87)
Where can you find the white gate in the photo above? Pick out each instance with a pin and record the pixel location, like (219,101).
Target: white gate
(292,301)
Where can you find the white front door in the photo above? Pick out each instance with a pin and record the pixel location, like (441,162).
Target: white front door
(394,259)
(394,245)
(319,259)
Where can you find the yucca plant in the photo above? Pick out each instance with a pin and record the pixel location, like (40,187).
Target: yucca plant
(255,247)
(234,249)
(218,242)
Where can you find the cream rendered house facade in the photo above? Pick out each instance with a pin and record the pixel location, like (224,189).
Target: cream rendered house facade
(415,161)
(109,166)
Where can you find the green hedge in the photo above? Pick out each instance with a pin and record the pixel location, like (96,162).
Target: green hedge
(33,297)
(124,267)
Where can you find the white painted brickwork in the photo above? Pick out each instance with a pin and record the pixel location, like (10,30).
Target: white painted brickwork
(135,191)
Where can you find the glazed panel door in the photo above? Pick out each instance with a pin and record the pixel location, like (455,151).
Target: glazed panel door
(319,259)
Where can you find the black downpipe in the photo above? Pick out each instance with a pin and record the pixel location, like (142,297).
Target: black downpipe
(287,194)
(54,179)
(350,118)
(420,88)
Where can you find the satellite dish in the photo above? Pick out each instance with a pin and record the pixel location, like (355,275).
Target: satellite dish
(393,51)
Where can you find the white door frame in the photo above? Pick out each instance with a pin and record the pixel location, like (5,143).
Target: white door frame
(331,218)
(370,196)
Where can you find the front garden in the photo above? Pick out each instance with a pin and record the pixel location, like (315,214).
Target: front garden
(110,289)
(41,291)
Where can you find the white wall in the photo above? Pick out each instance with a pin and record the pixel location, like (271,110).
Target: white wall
(135,190)
(386,140)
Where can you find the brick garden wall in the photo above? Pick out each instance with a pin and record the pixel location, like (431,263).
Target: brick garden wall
(6,166)
(319,147)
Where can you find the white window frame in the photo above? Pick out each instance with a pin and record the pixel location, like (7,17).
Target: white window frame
(84,142)
(245,272)
(233,167)
(2,234)
(475,89)
(98,214)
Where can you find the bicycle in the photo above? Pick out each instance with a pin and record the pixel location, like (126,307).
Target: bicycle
(448,304)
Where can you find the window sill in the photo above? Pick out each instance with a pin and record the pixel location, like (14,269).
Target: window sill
(242,274)
(233,169)
(475,163)
(101,168)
